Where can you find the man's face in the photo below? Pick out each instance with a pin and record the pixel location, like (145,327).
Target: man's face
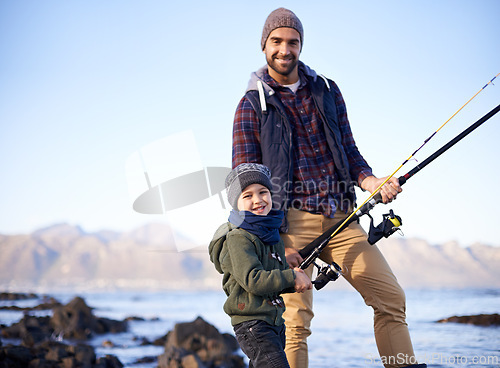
(282,51)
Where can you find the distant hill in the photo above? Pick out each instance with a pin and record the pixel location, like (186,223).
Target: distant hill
(417,264)
(64,256)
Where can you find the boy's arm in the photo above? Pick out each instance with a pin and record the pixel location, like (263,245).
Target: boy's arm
(249,272)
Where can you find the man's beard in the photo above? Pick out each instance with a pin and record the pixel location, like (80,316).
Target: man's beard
(285,71)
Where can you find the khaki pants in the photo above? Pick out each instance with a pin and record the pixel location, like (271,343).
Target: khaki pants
(366,269)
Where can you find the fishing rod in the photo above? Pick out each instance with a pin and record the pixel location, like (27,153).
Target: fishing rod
(390,223)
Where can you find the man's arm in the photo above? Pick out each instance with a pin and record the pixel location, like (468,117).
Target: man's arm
(358,167)
(246,135)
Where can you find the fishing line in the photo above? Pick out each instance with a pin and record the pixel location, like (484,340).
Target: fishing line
(376,191)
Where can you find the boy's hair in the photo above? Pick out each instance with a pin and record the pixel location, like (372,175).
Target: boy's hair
(244,175)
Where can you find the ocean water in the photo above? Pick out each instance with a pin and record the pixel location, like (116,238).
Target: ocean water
(342,327)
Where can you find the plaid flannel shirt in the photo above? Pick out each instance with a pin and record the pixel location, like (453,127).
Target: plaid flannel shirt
(316,188)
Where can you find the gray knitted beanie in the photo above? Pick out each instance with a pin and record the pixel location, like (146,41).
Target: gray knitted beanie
(281,17)
(244,175)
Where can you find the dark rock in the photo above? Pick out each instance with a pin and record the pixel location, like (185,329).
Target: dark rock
(83,353)
(160,341)
(109,361)
(57,352)
(106,325)
(30,330)
(71,362)
(17,296)
(108,344)
(48,303)
(51,354)
(198,336)
(38,348)
(16,355)
(42,363)
(43,306)
(478,320)
(143,341)
(230,341)
(74,320)
(198,344)
(175,357)
(147,359)
(134,318)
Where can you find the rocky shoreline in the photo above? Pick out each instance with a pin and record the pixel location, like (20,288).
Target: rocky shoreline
(60,340)
(485,320)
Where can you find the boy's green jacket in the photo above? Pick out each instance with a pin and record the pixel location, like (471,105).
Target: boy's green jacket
(254,275)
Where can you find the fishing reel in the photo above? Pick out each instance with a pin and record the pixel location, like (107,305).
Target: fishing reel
(389,225)
(326,274)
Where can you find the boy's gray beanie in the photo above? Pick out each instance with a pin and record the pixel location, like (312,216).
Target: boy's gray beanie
(244,175)
(278,18)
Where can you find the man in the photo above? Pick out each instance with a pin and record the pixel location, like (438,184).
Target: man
(295,122)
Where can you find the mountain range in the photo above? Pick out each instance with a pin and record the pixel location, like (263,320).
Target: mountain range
(65,256)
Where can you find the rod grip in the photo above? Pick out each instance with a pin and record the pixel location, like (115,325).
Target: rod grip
(378,197)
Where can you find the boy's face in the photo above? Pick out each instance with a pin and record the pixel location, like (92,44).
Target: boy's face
(256,198)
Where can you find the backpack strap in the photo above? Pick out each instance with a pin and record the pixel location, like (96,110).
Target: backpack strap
(262,96)
(254,98)
(326,82)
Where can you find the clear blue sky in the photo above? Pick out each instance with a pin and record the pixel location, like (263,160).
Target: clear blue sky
(85,84)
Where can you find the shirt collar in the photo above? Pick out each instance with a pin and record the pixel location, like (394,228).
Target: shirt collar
(276,86)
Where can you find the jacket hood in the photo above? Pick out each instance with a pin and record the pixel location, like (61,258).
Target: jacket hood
(259,75)
(216,246)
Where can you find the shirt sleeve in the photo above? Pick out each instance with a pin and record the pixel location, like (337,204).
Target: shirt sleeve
(359,168)
(249,272)
(246,135)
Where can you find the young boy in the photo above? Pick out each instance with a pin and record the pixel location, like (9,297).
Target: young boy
(250,254)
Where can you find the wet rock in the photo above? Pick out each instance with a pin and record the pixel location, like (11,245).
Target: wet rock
(52,354)
(478,319)
(17,296)
(14,356)
(76,321)
(56,351)
(175,357)
(143,341)
(109,361)
(108,344)
(38,348)
(147,359)
(134,318)
(71,321)
(198,344)
(30,330)
(83,353)
(47,303)
(160,341)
